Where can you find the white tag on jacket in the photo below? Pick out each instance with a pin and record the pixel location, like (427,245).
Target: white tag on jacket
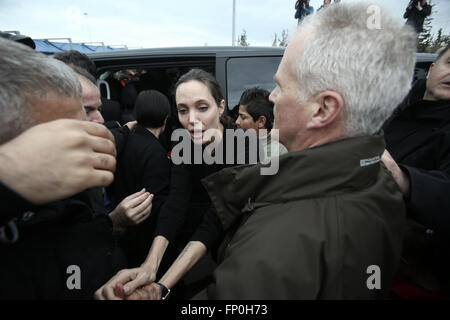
(368,162)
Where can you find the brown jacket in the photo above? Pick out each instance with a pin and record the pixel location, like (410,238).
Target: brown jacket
(312,230)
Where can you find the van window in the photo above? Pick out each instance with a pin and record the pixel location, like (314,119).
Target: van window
(248,72)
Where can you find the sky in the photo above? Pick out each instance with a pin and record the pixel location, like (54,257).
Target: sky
(165,23)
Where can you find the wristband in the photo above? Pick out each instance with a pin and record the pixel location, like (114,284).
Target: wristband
(164,291)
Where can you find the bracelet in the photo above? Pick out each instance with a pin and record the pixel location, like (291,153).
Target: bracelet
(164,291)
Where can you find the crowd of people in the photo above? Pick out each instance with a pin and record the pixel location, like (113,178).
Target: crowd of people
(362,182)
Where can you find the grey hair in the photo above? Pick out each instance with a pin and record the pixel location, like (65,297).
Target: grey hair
(371,68)
(27,76)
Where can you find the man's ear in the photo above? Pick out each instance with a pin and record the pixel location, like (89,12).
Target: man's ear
(328,106)
(431,68)
(261,122)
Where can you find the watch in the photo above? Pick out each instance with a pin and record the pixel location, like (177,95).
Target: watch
(164,291)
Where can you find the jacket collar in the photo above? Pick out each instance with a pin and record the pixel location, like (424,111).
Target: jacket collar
(334,168)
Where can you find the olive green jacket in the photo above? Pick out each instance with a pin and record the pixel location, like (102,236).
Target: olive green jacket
(314,230)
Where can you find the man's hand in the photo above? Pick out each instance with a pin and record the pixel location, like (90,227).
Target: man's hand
(133,210)
(58,159)
(400,177)
(126,283)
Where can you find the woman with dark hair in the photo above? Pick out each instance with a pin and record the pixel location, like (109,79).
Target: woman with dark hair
(187,218)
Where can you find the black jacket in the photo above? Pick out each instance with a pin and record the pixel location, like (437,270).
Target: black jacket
(15,205)
(143,163)
(52,239)
(416,17)
(418,137)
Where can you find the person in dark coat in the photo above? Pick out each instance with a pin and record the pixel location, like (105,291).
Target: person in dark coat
(416,12)
(92,105)
(144,163)
(418,140)
(63,249)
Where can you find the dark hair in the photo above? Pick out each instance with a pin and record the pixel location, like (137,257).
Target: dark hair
(443,52)
(214,88)
(204,77)
(76,58)
(84,73)
(256,102)
(151,109)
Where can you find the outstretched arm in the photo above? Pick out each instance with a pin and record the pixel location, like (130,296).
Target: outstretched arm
(425,192)
(127,281)
(190,255)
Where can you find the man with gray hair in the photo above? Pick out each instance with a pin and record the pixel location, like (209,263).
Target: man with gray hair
(330,224)
(61,250)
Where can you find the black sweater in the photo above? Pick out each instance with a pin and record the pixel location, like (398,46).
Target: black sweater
(188,208)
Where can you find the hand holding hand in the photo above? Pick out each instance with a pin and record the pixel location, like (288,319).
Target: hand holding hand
(148,292)
(125,283)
